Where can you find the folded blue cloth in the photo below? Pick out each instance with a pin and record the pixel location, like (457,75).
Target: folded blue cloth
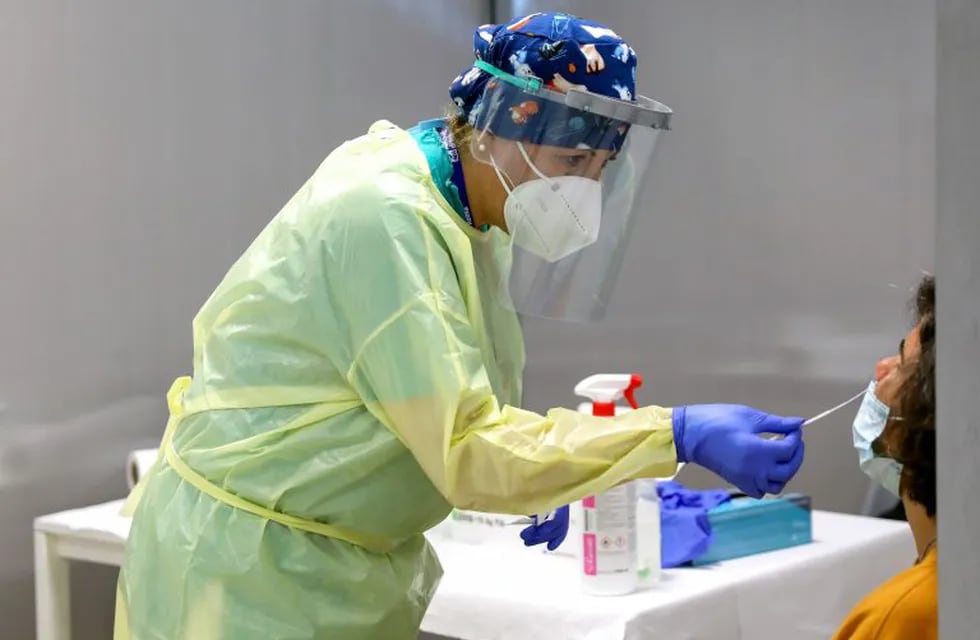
(685,532)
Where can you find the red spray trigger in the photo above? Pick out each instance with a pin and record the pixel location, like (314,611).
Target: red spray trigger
(636,381)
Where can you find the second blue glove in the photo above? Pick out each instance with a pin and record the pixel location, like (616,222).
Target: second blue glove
(551,530)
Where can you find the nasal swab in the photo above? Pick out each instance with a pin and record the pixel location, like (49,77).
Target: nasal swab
(821,416)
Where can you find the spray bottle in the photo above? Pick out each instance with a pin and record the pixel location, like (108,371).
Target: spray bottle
(609,538)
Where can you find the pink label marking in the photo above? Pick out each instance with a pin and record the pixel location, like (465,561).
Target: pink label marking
(588,554)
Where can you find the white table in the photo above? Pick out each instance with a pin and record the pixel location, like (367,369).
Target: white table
(92,534)
(491,593)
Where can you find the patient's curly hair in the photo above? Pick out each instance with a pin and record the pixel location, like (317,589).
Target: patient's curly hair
(913,438)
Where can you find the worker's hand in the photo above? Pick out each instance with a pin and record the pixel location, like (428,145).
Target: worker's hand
(729,440)
(552,529)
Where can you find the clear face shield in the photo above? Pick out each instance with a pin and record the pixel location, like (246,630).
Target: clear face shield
(572,164)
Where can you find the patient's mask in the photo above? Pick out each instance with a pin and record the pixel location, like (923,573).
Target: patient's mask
(551,217)
(868,426)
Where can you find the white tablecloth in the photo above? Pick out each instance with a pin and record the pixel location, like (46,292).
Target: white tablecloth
(493,593)
(801,593)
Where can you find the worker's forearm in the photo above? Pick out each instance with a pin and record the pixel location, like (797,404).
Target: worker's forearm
(514,461)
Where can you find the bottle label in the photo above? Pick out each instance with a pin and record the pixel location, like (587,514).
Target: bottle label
(588,554)
(609,532)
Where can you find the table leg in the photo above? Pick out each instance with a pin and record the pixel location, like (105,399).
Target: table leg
(51,590)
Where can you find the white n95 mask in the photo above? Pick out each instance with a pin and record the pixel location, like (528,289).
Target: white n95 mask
(552,217)
(868,426)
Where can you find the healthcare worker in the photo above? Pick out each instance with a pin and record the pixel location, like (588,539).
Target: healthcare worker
(358,370)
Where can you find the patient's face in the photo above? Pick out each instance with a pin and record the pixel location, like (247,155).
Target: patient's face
(891,372)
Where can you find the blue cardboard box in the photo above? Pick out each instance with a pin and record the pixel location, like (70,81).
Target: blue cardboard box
(746,526)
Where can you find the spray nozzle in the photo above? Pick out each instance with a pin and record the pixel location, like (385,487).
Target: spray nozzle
(636,381)
(606,388)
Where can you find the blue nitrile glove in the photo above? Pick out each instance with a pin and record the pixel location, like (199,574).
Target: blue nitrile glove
(726,439)
(552,529)
(685,531)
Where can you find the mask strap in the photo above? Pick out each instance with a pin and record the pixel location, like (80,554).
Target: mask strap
(500,175)
(527,159)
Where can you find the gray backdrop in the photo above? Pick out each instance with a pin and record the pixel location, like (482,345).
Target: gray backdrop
(958,291)
(141,148)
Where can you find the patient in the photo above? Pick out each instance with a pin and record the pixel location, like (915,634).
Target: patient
(894,433)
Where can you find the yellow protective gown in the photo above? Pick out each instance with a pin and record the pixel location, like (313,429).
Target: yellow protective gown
(354,377)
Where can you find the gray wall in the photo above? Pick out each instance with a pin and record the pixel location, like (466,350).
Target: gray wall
(141,148)
(792,209)
(958,291)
